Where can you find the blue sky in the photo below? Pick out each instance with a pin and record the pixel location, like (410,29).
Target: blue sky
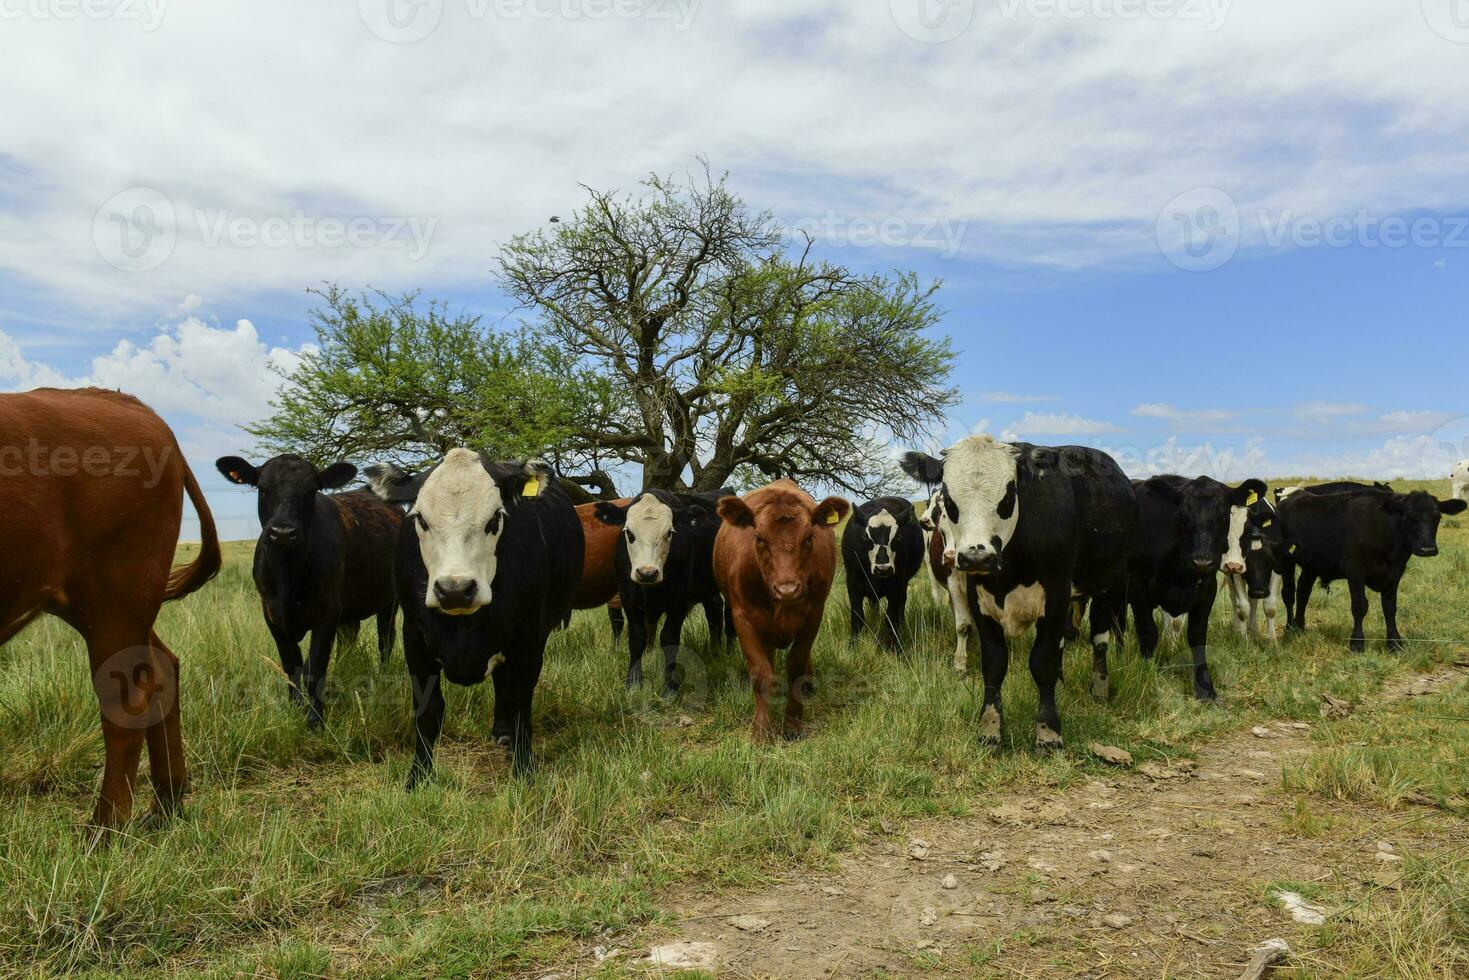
(1127,212)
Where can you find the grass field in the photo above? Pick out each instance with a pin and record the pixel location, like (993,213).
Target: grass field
(298,853)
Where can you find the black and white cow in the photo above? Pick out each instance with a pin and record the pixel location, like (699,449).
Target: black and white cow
(1187,528)
(1253,539)
(1029,527)
(1365,538)
(488,564)
(929,521)
(882,547)
(665,565)
(323,563)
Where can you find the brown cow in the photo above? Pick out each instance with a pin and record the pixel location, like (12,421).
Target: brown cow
(93,484)
(774,559)
(598,574)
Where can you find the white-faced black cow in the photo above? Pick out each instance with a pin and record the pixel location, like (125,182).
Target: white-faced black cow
(1365,538)
(1187,528)
(322,562)
(1253,539)
(882,547)
(488,564)
(1030,526)
(665,564)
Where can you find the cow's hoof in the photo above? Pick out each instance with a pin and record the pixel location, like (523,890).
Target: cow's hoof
(793,734)
(1357,646)
(1206,694)
(1397,645)
(502,740)
(1047,739)
(416,778)
(991,727)
(1101,686)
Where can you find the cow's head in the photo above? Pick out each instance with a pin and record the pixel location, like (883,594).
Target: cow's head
(1418,514)
(459,511)
(1211,520)
(654,526)
(879,532)
(785,526)
(1260,545)
(286,493)
(980,494)
(930,519)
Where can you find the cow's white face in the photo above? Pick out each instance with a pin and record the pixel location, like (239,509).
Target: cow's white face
(1234,554)
(982,501)
(460,516)
(649,536)
(881,535)
(1460,471)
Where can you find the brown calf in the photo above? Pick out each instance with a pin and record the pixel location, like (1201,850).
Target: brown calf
(598,574)
(93,484)
(774,559)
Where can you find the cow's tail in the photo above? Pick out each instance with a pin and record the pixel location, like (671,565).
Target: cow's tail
(189,578)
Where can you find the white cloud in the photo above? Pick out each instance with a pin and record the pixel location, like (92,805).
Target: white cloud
(1324,412)
(1405,422)
(1008,397)
(487,125)
(1058,424)
(1189,419)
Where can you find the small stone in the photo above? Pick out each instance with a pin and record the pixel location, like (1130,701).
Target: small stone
(918,852)
(948,882)
(685,721)
(1105,857)
(833,890)
(1260,732)
(1117,920)
(1111,754)
(930,916)
(1386,846)
(749,923)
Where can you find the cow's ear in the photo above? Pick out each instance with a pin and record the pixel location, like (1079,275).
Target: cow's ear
(922,467)
(1455,506)
(526,480)
(393,484)
(1248,493)
(1164,489)
(1042,459)
(335,476)
(1382,486)
(830,512)
(703,506)
(609,513)
(236,470)
(906,515)
(734,511)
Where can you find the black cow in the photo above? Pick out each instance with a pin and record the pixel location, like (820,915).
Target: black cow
(488,565)
(882,549)
(323,563)
(1365,538)
(1031,526)
(665,565)
(1184,535)
(1340,486)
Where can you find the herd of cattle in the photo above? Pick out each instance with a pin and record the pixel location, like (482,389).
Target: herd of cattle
(485,559)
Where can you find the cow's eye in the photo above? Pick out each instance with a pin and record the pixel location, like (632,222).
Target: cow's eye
(493,525)
(422,524)
(631,538)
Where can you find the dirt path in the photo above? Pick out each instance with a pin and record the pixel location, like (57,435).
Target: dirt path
(1158,870)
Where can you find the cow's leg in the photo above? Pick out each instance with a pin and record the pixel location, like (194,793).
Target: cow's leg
(1144,623)
(800,684)
(897,611)
(385,632)
(1390,616)
(165,739)
(994,663)
(525,674)
(1045,670)
(637,643)
(714,618)
(1303,596)
(964,628)
(729,630)
(1198,639)
(671,639)
(615,619)
(1359,613)
(857,601)
(126,676)
(289,648)
(1271,603)
(935,589)
(1106,615)
(428,703)
(762,673)
(317,661)
(1288,594)
(500,717)
(1239,600)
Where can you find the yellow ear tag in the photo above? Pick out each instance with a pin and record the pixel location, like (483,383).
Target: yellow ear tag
(1267,524)
(1292,549)
(833,518)
(1253,499)
(532,487)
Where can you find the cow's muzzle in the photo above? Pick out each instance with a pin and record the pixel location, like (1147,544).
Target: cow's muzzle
(977,562)
(787,591)
(283,535)
(883,571)
(1204,564)
(1234,567)
(455,594)
(648,575)
(1426,551)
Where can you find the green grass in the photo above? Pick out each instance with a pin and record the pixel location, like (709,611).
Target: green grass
(299,854)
